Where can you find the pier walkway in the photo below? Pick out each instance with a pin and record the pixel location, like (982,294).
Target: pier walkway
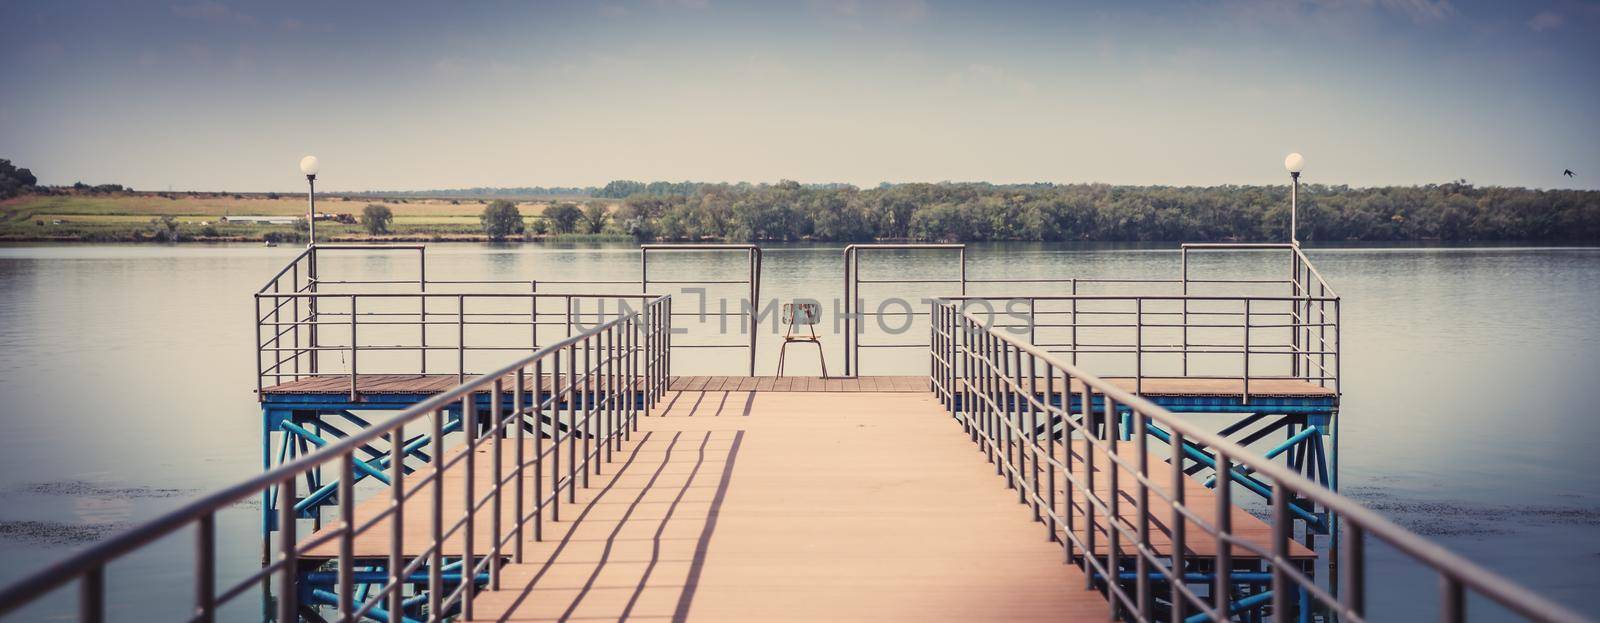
(843,501)
(762,506)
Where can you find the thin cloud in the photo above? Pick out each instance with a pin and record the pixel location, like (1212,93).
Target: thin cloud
(1421,11)
(1417,11)
(295,25)
(682,4)
(215,12)
(855,14)
(1547,20)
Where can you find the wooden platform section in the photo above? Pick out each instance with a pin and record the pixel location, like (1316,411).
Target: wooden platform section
(774,505)
(428,384)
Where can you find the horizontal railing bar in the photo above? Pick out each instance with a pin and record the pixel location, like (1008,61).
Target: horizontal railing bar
(455,295)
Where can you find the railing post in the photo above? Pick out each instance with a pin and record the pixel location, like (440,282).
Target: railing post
(1179,523)
(294,286)
(649,318)
(1090,513)
(497,434)
(573,396)
(288,598)
(469,570)
(313,307)
(1245,397)
(461,339)
(347,537)
(588,407)
(1065,396)
(1353,570)
(1032,438)
(1183,253)
(205,568)
(1452,600)
(555,435)
(1282,530)
(92,596)
(260,370)
(538,449)
(1113,506)
(1138,346)
(422,326)
(436,521)
(1075,325)
(397,523)
(421,289)
(517,410)
(1142,563)
(849,253)
(755,302)
(353,349)
(1223,589)
(277,334)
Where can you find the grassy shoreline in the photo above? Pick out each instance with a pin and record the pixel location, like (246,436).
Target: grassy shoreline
(200,217)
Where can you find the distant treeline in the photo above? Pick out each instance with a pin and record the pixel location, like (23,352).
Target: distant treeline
(622,189)
(981,211)
(524,191)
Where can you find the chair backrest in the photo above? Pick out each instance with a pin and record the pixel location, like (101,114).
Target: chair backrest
(801,313)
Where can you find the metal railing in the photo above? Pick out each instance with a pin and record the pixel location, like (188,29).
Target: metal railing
(1239,338)
(311,324)
(1079,479)
(749,311)
(349,334)
(1296,315)
(592,403)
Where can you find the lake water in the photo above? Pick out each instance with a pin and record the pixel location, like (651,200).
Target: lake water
(126,379)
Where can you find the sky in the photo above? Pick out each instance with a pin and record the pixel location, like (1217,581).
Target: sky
(205,95)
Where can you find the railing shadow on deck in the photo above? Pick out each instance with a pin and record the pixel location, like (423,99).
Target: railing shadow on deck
(569,607)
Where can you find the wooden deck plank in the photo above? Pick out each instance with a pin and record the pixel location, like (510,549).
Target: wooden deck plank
(750,518)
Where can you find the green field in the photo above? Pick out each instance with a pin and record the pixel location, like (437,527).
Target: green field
(123,217)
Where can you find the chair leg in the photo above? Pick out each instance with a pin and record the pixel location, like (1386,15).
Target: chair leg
(781,350)
(822,358)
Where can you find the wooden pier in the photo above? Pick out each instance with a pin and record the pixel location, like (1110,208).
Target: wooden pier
(845,501)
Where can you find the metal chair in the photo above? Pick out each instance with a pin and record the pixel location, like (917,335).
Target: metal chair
(801,314)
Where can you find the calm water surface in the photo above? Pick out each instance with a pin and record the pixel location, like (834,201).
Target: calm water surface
(126,379)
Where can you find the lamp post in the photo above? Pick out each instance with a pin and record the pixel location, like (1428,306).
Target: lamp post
(309,166)
(1294,163)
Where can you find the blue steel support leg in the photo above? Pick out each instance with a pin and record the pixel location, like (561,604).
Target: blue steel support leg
(283,455)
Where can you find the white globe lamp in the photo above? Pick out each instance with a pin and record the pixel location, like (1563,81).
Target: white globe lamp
(1294,163)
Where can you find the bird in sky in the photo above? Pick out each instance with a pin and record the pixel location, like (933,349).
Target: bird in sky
(1567,173)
